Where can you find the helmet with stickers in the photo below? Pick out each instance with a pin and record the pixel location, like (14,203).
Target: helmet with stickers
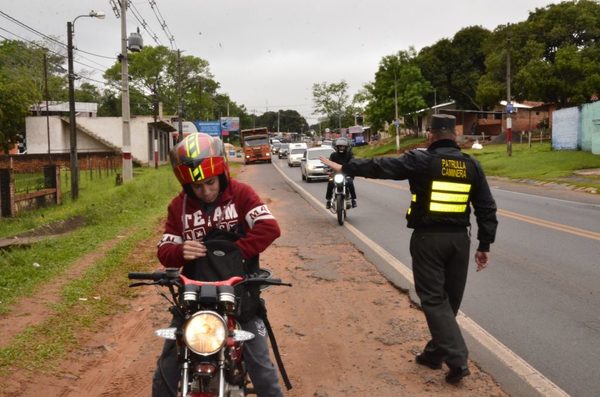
(198,157)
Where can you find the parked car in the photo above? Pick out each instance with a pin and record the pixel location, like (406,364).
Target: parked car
(283,150)
(310,165)
(295,156)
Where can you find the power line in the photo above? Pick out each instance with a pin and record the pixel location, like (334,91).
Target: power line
(136,13)
(162,23)
(49,38)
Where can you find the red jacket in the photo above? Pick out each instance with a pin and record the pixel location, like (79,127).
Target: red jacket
(238,207)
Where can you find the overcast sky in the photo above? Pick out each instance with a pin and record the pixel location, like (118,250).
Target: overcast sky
(267,54)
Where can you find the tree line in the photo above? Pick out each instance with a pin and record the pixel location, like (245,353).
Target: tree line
(554,58)
(156,74)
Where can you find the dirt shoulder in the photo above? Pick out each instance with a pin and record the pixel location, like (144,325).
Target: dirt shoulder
(342,328)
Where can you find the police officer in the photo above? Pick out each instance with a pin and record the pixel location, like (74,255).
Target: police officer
(342,155)
(444,183)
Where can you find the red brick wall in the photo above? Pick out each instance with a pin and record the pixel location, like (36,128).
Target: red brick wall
(35,162)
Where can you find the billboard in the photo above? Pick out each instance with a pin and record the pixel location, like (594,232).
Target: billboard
(212,128)
(229,124)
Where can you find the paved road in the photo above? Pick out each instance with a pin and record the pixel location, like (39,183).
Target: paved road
(541,295)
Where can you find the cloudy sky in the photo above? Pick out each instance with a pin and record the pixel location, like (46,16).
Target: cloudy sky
(266,54)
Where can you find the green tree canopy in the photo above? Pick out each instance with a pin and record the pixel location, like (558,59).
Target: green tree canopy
(555,56)
(454,67)
(398,77)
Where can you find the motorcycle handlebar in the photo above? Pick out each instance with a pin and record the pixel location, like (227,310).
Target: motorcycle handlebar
(154,276)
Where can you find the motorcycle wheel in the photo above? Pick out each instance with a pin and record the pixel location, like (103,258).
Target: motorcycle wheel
(341,212)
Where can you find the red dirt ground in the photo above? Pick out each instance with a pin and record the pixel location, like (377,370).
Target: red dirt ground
(342,328)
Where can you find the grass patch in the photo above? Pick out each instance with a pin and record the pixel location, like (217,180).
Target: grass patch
(129,212)
(539,162)
(41,346)
(387,147)
(109,211)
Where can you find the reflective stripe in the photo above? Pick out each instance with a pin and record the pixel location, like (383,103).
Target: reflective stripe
(451,186)
(440,207)
(197,171)
(449,197)
(414,198)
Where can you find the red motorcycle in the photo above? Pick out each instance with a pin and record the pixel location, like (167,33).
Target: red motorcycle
(210,341)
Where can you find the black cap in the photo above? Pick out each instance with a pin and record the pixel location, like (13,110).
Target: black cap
(443,122)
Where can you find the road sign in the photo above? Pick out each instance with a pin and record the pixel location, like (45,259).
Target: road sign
(230,124)
(212,128)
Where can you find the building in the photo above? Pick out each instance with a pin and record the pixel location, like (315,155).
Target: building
(50,134)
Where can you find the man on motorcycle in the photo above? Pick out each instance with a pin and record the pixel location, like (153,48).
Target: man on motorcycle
(210,201)
(342,155)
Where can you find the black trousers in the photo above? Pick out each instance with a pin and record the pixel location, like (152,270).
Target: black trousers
(440,263)
(330,185)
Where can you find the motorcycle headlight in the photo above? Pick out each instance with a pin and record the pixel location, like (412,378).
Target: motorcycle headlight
(205,333)
(338,178)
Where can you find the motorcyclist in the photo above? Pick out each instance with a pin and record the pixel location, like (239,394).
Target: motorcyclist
(210,201)
(342,154)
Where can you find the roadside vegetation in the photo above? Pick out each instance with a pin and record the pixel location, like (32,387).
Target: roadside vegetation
(118,217)
(538,162)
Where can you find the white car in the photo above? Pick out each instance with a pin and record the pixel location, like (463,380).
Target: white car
(310,165)
(294,156)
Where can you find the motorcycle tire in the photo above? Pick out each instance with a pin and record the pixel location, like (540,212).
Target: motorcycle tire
(341,212)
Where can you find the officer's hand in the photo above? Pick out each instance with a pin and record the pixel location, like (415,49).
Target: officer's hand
(482,259)
(331,164)
(193,250)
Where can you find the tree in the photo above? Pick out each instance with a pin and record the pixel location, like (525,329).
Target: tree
(454,67)
(331,100)
(398,76)
(22,85)
(555,56)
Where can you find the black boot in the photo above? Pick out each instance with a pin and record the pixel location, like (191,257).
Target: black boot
(328,204)
(353,203)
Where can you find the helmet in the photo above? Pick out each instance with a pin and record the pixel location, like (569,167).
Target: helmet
(341,144)
(197,157)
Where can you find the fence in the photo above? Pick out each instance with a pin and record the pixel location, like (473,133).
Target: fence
(30,181)
(47,192)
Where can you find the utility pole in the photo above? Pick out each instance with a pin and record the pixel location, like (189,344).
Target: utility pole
(72,127)
(47,109)
(72,120)
(509,106)
(155,126)
(396,121)
(126,151)
(180,107)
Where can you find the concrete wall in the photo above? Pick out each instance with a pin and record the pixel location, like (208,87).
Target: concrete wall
(109,129)
(590,127)
(566,129)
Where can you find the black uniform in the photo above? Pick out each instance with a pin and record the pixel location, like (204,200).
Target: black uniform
(444,183)
(341,158)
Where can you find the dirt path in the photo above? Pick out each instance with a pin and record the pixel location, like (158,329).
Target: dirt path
(342,328)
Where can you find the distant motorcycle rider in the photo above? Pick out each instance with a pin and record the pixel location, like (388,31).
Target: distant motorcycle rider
(342,155)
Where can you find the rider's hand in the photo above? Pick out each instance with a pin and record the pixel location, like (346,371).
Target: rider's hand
(482,259)
(193,249)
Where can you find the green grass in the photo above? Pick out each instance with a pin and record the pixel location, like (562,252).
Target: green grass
(128,213)
(108,211)
(539,162)
(387,147)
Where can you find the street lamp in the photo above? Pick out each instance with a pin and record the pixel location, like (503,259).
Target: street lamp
(72,126)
